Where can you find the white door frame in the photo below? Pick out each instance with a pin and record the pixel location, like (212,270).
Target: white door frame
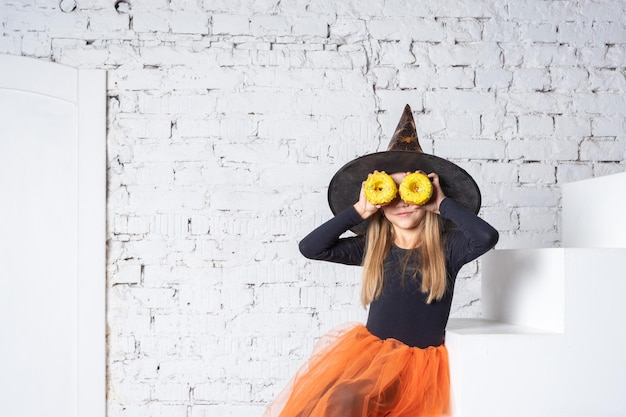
(86,89)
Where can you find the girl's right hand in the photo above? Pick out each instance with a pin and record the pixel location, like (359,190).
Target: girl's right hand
(364,207)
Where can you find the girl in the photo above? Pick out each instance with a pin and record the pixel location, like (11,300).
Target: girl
(395,365)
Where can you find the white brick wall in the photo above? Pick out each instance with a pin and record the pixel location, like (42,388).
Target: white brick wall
(228,118)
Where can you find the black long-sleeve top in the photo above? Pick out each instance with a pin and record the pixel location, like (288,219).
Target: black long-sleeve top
(401,311)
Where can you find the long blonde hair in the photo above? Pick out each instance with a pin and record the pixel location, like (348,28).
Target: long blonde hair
(379,239)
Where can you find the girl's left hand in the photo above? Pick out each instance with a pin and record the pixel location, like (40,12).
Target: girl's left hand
(438,195)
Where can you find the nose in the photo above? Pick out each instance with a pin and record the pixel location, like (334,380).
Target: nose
(399,202)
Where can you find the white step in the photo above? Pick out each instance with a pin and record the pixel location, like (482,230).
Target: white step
(554,344)
(593,212)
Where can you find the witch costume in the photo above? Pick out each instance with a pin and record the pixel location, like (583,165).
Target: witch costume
(397,363)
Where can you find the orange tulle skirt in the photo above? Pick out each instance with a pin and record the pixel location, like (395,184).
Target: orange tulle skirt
(353,373)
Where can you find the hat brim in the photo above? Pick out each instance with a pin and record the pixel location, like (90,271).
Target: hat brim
(456,183)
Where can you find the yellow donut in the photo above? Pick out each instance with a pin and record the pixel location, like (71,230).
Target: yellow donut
(416,188)
(380,188)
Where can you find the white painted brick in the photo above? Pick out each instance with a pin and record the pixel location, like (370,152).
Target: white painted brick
(307,27)
(568,79)
(456,77)
(609,32)
(422,30)
(150,298)
(188,105)
(196,150)
(134,79)
(150,251)
(120,318)
(470,288)
(150,21)
(537,173)
(544,32)
(462,125)
(543,55)
(123,55)
(539,125)
(602,150)
(164,55)
(143,127)
(548,149)
(499,172)
(15,19)
(593,56)
(78,56)
(542,102)
(288,78)
(529,196)
(602,11)
(385,77)
(602,169)
(10,45)
(538,219)
(66,25)
(335,104)
(396,54)
(149,174)
(500,30)
(220,391)
(455,100)
(172,391)
(348,30)
(143,368)
(493,78)
(167,323)
(226,24)
(470,149)
(263,25)
(469,54)
(573,172)
(258,323)
(122,347)
(108,21)
(607,126)
(35,44)
(366,8)
(512,57)
(534,239)
(614,55)
(336,59)
(190,22)
(413,78)
(499,125)
(128,272)
(606,80)
(129,391)
(474,9)
(152,409)
(503,219)
(463,30)
(531,79)
(570,125)
(225,410)
(491,194)
(257,102)
(190,128)
(576,33)
(534,10)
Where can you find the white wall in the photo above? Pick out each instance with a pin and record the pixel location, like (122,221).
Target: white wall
(228,118)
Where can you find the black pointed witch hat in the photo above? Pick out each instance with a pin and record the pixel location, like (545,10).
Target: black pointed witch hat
(404,154)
